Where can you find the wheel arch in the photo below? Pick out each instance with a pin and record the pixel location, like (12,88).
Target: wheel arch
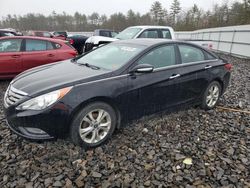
(107,100)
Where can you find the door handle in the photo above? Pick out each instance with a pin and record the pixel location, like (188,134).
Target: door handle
(174,76)
(15,56)
(208,67)
(51,55)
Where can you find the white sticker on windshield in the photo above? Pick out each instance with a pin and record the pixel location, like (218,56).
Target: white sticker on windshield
(129,49)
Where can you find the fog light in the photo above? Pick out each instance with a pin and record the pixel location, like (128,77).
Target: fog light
(32,130)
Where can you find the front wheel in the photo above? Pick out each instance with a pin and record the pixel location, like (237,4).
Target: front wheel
(93,125)
(211,95)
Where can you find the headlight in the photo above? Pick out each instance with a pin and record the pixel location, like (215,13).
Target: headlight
(43,101)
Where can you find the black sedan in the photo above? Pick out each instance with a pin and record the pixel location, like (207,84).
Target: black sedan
(87,98)
(78,42)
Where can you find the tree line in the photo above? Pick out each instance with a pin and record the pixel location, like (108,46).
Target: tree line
(182,20)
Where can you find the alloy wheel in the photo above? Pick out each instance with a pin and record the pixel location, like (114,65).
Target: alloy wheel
(95,126)
(213,95)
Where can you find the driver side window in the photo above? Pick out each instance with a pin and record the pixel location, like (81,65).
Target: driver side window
(160,57)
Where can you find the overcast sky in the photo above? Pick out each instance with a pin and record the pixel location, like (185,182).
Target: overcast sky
(108,7)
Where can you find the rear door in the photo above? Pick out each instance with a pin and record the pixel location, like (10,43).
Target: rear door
(10,57)
(194,72)
(38,52)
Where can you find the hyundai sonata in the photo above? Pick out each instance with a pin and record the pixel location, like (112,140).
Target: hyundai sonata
(88,97)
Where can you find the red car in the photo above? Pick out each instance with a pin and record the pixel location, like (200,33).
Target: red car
(20,53)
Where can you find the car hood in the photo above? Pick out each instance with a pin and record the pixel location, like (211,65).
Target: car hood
(55,76)
(97,39)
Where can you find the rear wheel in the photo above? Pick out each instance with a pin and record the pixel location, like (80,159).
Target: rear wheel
(211,95)
(93,125)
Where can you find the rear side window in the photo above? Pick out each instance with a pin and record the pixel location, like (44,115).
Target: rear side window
(191,54)
(49,46)
(10,45)
(57,46)
(160,57)
(38,45)
(149,34)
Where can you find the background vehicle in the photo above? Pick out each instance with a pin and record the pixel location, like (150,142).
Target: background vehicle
(61,34)
(139,32)
(90,96)
(21,53)
(78,42)
(105,33)
(45,34)
(6,32)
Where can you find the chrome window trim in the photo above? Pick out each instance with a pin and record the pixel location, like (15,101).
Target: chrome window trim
(183,65)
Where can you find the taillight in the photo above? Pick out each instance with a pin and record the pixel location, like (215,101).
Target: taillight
(74,53)
(228,66)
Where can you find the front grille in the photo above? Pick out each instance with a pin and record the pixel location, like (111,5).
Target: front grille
(13,95)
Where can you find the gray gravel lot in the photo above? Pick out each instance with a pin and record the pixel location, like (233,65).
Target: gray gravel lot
(146,153)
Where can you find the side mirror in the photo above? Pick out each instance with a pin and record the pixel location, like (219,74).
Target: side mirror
(142,68)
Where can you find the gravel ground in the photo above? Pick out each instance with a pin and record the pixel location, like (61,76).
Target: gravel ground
(190,148)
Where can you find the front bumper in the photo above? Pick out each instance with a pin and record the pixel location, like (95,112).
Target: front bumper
(25,133)
(39,125)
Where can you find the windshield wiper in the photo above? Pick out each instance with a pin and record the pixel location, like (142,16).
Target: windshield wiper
(90,66)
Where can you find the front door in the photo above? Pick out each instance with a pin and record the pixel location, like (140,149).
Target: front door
(10,57)
(155,91)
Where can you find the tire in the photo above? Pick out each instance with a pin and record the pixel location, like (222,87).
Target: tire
(211,95)
(93,125)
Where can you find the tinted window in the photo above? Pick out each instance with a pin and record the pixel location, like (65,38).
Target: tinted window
(149,34)
(35,45)
(160,57)
(166,34)
(11,45)
(191,54)
(105,33)
(111,56)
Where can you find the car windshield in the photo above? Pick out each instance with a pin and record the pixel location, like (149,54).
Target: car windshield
(111,56)
(128,33)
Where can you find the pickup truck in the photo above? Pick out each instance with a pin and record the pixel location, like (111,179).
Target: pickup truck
(139,32)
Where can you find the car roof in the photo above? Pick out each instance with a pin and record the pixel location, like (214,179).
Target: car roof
(151,27)
(33,37)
